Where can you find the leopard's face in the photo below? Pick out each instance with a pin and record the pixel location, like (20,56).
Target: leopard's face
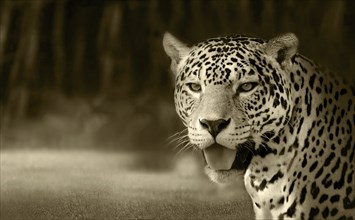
(231,95)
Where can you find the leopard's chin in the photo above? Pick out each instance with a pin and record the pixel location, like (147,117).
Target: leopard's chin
(223,176)
(243,157)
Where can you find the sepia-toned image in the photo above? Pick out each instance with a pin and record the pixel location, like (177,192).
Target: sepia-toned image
(177,109)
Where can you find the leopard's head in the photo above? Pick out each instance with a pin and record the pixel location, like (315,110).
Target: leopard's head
(232,93)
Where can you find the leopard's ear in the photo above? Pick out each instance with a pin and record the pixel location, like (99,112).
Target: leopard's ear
(282,48)
(175,49)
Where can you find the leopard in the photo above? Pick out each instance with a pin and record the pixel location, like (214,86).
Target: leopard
(261,112)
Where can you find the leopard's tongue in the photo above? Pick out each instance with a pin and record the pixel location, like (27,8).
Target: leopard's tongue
(219,157)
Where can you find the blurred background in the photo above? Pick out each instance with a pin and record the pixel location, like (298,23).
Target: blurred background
(80,76)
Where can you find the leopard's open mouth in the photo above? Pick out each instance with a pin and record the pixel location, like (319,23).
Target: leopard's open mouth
(240,162)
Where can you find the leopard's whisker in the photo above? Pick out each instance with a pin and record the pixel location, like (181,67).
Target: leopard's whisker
(181,144)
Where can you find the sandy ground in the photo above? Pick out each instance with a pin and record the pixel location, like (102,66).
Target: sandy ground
(85,184)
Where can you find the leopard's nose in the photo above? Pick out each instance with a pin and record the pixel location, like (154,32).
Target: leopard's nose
(214,127)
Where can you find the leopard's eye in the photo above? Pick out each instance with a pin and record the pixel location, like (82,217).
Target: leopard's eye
(194,87)
(246,87)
